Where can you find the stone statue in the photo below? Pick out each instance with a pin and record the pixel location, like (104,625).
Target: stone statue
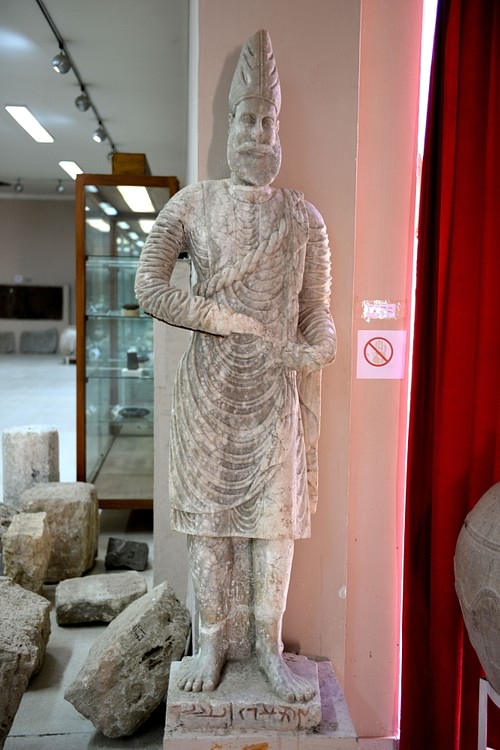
(245,416)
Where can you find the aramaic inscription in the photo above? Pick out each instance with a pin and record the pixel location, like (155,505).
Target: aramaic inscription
(278,717)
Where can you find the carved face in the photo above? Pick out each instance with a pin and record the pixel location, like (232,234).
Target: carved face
(253,147)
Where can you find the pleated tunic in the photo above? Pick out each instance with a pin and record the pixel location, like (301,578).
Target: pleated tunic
(237,459)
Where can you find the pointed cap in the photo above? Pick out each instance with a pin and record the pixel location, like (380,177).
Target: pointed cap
(256,74)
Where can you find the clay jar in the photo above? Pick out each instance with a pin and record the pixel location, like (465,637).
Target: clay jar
(477,581)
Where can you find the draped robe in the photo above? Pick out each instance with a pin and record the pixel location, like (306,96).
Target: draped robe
(241,434)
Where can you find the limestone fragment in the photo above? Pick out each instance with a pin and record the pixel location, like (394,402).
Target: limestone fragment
(7,513)
(98,598)
(27,550)
(24,633)
(125,675)
(73,519)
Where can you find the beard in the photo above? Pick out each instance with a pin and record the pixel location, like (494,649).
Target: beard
(254,164)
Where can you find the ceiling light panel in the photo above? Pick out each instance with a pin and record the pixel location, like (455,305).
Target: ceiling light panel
(137,198)
(108,208)
(28,121)
(146,225)
(71,168)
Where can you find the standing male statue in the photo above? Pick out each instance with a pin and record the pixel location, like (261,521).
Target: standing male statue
(246,400)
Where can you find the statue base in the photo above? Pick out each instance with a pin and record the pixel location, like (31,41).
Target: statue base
(245,710)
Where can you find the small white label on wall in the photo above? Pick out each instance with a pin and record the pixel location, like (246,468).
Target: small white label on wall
(381,354)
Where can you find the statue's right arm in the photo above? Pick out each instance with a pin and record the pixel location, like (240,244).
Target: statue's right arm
(169,237)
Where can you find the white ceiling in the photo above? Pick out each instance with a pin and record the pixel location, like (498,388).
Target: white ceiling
(132,56)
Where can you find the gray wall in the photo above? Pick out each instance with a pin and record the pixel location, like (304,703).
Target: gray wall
(37,244)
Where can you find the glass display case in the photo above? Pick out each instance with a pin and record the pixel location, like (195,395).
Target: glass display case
(115,353)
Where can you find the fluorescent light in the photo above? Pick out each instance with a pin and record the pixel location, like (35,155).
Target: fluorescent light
(108,208)
(146,225)
(26,120)
(99,224)
(71,168)
(137,198)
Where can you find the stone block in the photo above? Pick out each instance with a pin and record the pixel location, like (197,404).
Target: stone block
(125,675)
(244,701)
(73,519)
(98,598)
(30,457)
(26,550)
(124,553)
(334,732)
(24,633)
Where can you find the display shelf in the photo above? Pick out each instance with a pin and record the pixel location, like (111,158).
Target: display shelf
(115,375)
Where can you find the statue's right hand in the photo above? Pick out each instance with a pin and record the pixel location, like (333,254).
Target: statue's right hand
(226,321)
(245,324)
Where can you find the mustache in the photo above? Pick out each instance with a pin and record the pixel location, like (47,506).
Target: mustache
(255,148)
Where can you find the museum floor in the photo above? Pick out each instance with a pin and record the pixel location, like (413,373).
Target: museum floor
(40,389)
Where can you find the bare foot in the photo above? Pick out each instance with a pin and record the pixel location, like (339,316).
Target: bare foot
(283,681)
(203,670)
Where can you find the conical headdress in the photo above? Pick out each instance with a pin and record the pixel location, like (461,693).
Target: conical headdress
(256,74)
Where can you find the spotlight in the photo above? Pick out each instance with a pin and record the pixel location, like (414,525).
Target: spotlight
(99,135)
(19,187)
(60,188)
(61,63)
(82,102)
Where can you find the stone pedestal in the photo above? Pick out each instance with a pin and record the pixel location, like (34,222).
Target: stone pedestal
(30,456)
(243,713)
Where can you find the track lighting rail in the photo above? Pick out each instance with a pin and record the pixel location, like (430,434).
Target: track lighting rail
(83,89)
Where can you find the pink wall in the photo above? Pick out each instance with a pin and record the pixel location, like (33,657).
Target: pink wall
(358,168)
(386,176)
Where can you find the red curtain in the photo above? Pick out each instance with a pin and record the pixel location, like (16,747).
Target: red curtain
(454,438)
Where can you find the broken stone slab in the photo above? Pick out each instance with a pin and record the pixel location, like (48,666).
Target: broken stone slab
(24,634)
(125,553)
(30,457)
(97,598)
(26,550)
(125,675)
(243,701)
(73,519)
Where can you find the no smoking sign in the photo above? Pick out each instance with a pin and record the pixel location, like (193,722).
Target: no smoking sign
(381,354)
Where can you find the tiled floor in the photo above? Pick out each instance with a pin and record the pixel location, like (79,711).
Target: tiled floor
(39,389)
